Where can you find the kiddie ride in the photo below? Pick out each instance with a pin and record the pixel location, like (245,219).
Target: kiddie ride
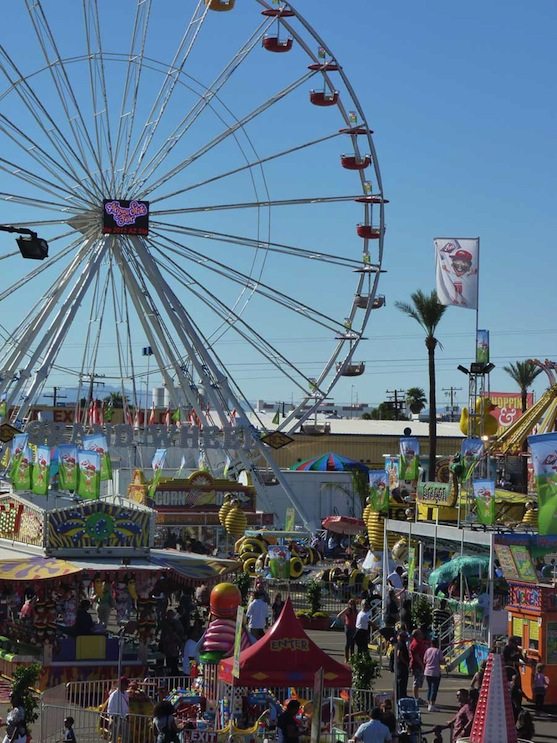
(275,554)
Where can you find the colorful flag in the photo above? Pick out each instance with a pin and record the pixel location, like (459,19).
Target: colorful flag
(482,346)
(89,480)
(97,442)
(152,416)
(67,467)
(176,416)
(157,464)
(378,490)
(181,468)
(167,417)
(20,465)
(484,495)
(40,473)
(409,458)
(232,417)
(202,465)
(471,451)
(544,460)
(227,463)
(3,408)
(457,263)
(276,418)
(392,469)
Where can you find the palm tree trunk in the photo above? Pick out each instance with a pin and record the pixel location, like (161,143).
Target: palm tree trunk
(430,344)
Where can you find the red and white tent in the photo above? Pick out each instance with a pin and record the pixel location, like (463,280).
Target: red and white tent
(285,656)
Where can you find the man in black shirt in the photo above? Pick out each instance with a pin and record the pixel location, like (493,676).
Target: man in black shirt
(287,727)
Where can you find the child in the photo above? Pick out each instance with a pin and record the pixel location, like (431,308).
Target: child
(540,684)
(69,735)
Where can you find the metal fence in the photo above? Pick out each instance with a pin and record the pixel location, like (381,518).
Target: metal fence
(90,726)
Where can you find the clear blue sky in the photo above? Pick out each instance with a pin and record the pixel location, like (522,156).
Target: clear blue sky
(462,100)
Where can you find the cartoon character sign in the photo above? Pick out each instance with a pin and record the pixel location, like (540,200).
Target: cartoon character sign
(457,271)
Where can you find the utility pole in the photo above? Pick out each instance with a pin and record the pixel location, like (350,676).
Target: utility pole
(55,396)
(449,392)
(396,402)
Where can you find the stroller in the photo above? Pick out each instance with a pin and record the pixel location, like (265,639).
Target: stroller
(409,721)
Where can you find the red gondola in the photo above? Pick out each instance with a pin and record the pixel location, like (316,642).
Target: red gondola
(372,199)
(368,231)
(322,98)
(355,162)
(324,66)
(278,12)
(222,5)
(274,44)
(355,130)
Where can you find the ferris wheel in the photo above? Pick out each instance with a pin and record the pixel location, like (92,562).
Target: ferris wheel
(208,184)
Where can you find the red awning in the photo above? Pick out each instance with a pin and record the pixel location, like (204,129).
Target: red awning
(285,656)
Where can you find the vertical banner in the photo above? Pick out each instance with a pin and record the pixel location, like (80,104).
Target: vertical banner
(544,459)
(290,519)
(89,480)
(482,346)
(97,442)
(238,642)
(456,271)
(317,704)
(484,497)
(40,474)
(409,458)
(20,462)
(471,451)
(378,490)
(67,467)
(392,470)
(157,464)
(411,568)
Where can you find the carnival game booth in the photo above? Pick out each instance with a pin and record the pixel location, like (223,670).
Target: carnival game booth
(281,664)
(55,551)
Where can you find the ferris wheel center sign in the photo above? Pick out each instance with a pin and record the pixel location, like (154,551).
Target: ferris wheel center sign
(125,217)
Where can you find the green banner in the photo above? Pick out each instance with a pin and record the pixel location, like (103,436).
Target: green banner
(40,474)
(89,484)
(411,568)
(67,467)
(544,455)
(378,491)
(484,496)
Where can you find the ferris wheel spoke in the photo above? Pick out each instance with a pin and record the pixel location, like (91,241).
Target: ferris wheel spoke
(254,205)
(25,175)
(245,331)
(34,106)
(168,86)
(132,83)
(61,175)
(36,203)
(23,337)
(100,100)
(247,282)
(238,124)
(247,166)
(211,92)
(248,242)
(48,347)
(64,88)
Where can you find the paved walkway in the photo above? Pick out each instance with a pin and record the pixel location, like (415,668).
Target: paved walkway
(333,643)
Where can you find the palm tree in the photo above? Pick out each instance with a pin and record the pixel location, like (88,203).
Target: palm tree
(427,311)
(415,399)
(523,373)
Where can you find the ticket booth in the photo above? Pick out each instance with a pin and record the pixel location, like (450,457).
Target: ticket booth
(532,615)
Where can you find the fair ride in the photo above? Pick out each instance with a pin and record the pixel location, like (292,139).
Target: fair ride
(190,173)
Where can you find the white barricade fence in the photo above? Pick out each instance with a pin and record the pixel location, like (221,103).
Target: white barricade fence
(90,726)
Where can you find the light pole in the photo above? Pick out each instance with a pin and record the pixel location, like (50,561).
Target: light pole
(31,246)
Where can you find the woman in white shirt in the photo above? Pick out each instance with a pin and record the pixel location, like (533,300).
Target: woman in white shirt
(363,620)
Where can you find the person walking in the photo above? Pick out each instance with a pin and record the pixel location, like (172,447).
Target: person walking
(417,648)
(257,614)
(361,636)
(373,731)
(540,684)
(118,709)
(164,723)
(433,660)
(16,727)
(349,615)
(287,727)
(277,606)
(401,665)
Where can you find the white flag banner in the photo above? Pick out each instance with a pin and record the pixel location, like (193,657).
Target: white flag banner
(457,263)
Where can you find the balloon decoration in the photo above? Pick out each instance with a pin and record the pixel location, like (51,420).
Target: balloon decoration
(218,640)
(375,531)
(225,508)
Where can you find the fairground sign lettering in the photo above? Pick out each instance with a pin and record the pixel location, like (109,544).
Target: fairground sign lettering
(121,434)
(436,494)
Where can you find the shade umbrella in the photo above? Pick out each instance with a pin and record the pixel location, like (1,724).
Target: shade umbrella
(328,462)
(465,565)
(343,525)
